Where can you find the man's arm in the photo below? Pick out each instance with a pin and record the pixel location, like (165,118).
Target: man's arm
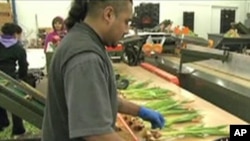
(88,100)
(129,108)
(105,137)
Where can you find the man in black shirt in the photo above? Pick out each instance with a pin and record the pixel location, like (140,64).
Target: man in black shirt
(82,101)
(11,51)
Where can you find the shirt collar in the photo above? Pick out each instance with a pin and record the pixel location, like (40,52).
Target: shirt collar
(91,32)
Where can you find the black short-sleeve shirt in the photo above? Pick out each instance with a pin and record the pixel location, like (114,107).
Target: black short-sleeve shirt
(81,99)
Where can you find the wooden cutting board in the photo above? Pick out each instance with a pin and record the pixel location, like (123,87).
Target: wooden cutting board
(213,115)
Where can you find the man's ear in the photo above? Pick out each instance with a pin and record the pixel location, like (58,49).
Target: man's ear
(109,14)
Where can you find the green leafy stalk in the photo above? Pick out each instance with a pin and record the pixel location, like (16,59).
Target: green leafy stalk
(155,89)
(139,85)
(198,131)
(183,119)
(178,111)
(159,104)
(167,105)
(3,82)
(137,93)
(170,107)
(149,95)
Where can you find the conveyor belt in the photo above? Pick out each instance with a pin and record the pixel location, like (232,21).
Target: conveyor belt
(21,99)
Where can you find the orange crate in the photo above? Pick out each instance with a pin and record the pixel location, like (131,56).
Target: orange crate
(117,48)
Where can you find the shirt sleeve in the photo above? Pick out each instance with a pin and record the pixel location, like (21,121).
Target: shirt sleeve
(87,96)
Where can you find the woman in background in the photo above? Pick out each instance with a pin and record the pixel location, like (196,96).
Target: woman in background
(12,51)
(57,34)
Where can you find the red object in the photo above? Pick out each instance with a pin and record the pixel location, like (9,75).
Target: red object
(167,76)
(55,39)
(119,47)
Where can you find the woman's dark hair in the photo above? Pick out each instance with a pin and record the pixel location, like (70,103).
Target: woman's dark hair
(11,29)
(58,20)
(80,8)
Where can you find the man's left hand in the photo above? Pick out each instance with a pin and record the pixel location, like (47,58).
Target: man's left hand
(155,118)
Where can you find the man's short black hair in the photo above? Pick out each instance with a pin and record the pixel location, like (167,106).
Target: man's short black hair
(80,8)
(11,29)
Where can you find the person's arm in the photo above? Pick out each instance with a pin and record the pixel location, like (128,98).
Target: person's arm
(88,101)
(47,40)
(22,63)
(129,108)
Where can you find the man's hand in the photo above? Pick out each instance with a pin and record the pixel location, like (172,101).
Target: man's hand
(155,118)
(126,107)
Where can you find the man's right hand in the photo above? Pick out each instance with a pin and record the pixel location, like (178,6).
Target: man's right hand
(105,137)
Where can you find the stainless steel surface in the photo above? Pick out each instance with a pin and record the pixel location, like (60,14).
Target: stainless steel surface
(194,53)
(192,40)
(220,41)
(238,66)
(204,49)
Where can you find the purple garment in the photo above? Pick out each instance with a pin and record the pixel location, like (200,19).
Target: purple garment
(8,41)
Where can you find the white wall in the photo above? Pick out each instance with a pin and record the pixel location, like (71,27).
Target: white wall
(45,10)
(207,12)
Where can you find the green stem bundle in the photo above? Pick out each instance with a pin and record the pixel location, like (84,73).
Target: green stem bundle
(193,117)
(139,85)
(170,106)
(198,131)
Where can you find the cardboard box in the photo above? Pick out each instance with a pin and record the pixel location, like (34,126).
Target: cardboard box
(6,18)
(5,7)
(5,13)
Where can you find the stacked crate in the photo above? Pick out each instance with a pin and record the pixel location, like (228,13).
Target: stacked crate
(5,13)
(115,53)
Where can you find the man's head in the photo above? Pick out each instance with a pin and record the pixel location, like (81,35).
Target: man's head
(110,18)
(19,32)
(11,29)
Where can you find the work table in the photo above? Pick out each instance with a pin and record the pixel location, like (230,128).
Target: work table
(212,115)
